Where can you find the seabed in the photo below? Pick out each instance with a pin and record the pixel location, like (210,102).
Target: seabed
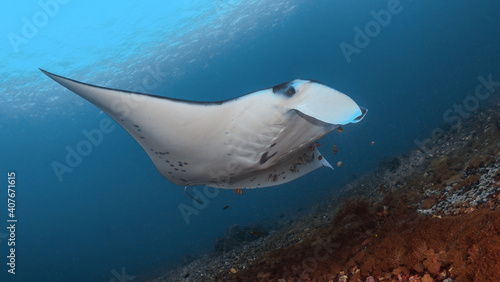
(432,214)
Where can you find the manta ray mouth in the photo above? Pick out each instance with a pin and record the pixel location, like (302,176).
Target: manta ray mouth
(360,117)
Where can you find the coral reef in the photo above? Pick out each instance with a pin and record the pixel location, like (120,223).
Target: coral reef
(363,243)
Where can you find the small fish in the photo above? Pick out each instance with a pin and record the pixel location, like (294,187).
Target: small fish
(226,207)
(373,143)
(238,191)
(317,145)
(340,129)
(335,149)
(339,163)
(257,233)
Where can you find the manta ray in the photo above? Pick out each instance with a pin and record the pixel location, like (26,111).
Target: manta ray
(260,139)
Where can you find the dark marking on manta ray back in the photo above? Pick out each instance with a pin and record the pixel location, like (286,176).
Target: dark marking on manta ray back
(280,87)
(264,158)
(284,89)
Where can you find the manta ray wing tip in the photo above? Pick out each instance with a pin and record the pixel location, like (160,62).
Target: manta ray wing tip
(45,72)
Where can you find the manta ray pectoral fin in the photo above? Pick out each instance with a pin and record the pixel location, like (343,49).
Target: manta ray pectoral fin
(328,105)
(171,131)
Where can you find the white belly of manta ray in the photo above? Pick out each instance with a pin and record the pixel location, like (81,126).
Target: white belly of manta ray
(260,139)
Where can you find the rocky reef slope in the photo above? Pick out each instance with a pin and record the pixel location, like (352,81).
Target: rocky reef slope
(430,215)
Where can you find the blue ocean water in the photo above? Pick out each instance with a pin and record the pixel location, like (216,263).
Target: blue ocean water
(114,212)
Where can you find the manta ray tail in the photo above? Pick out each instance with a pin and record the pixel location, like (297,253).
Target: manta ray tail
(185,190)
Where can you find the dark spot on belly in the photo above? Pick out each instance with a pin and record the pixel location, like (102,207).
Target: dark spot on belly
(274,144)
(136,125)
